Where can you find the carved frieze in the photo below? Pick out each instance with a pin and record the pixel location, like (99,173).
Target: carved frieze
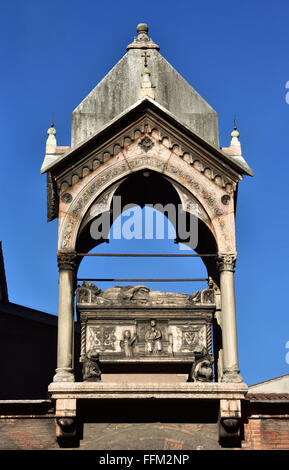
(92,189)
(120,169)
(151,338)
(147,134)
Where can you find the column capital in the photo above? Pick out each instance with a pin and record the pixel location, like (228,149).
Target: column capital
(226,261)
(66,260)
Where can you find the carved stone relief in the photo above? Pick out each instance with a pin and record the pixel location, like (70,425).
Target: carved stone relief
(101,338)
(145,338)
(140,295)
(127,343)
(147,134)
(100,205)
(178,172)
(91,367)
(191,338)
(202,368)
(146,144)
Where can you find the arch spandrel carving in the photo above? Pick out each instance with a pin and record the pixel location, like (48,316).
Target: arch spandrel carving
(150,154)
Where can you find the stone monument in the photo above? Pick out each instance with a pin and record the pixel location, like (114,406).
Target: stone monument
(144,126)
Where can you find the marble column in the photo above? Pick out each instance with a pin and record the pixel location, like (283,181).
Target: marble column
(65,339)
(226,264)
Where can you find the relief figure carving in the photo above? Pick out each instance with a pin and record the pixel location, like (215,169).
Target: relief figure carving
(153,339)
(127,343)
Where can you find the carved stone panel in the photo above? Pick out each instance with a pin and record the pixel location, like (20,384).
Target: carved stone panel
(101,338)
(150,338)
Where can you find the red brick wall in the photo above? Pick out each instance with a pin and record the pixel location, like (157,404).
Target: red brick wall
(27,434)
(39,434)
(24,426)
(262,433)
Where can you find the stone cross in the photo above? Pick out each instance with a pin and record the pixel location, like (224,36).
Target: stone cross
(145,55)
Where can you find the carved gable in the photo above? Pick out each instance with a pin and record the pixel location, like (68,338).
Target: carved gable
(145,130)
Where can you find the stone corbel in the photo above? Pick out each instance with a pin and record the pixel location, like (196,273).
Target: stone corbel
(66,423)
(230,422)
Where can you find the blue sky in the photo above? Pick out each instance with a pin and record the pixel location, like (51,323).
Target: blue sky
(236,56)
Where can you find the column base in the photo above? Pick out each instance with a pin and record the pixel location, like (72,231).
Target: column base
(232,376)
(64,375)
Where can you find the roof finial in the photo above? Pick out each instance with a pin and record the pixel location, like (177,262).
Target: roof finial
(51,129)
(142,41)
(146,85)
(142,30)
(51,141)
(235,134)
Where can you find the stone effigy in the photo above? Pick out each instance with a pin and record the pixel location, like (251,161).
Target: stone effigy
(89,293)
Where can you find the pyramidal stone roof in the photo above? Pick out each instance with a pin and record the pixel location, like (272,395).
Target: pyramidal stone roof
(119,90)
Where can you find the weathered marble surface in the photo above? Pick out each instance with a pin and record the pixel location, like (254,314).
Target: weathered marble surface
(133,324)
(89,293)
(119,89)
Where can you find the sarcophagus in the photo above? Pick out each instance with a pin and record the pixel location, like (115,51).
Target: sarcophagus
(133,328)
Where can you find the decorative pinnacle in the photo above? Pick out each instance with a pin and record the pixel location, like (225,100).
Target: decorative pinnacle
(235,143)
(51,140)
(51,130)
(235,132)
(142,41)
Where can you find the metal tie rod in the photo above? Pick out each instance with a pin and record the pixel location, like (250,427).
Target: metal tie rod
(149,255)
(142,280)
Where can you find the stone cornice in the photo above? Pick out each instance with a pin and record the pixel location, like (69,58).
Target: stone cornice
(187,390)
(144,119)
(149,127)
(131,116)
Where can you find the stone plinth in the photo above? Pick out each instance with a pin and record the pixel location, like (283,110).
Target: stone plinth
(193,391)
